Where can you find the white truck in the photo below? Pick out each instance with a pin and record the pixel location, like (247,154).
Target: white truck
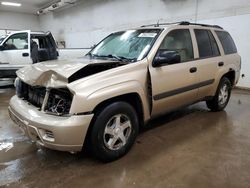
(23,48)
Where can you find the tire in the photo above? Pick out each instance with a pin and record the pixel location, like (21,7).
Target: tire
(223,93)
(114,131)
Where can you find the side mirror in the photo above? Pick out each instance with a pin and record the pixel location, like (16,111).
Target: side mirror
(166,57)
(1,48)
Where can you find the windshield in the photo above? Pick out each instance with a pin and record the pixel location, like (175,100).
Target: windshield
(131,45)
(2,38)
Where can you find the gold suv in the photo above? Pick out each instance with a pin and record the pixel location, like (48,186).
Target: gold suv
(130,77)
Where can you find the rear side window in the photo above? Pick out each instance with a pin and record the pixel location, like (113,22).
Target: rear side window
(207,45)
(227,42)
(214,45)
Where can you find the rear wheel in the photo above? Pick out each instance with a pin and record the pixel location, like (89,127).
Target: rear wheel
(114,131)
(223,93)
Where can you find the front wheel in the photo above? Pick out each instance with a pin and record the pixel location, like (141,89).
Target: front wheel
(114,131)
(223,93)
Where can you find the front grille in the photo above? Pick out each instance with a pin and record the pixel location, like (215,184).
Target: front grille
(36,96)
(33,94)
(58,101)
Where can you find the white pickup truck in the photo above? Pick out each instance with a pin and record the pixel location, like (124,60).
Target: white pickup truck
(23,48)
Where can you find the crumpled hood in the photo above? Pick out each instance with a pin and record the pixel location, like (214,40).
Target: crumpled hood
(57,72)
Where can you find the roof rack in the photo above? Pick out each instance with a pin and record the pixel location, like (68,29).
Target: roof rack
(181,23)
(204,25)
(159,24)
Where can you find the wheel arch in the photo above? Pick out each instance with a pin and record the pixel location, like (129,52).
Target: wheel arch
(133,99)
(231,76)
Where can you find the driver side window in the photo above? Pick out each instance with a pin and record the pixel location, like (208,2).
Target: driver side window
(17,42)
(179,40)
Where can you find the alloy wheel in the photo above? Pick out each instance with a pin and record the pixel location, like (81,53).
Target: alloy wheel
(117,132)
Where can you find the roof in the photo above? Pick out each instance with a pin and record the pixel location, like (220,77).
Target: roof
(182,23)
(37,33)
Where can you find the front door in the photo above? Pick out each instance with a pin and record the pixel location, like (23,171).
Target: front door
(16,49)
(52,48)
(174,85)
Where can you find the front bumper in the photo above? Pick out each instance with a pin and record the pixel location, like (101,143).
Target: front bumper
(8,73)
(9,70)
(54,132)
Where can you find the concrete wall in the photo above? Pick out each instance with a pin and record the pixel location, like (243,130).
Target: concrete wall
(18,21)
(89,21)
(239,27)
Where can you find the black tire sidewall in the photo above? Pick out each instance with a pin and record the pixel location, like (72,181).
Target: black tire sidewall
(223,81)
(213,104)
(102,117)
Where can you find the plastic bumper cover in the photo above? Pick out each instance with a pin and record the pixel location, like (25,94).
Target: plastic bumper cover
(54,132)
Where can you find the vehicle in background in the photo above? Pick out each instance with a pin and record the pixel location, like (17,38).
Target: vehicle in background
(2,38)
(23,48)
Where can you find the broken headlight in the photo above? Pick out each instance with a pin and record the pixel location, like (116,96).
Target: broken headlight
(59,102)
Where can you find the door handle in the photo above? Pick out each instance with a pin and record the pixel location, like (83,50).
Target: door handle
(193,69)
(220,64)
(25,54)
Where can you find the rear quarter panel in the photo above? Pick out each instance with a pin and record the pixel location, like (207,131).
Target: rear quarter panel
(232,62)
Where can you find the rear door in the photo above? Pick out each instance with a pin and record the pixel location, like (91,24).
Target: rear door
(52,47)
(16,49)
(175,85)
(208,60)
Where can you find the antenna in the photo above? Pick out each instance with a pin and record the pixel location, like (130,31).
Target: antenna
(158,23)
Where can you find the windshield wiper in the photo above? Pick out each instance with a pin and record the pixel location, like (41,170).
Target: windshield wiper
(116,57)
(119,58)
(124,58)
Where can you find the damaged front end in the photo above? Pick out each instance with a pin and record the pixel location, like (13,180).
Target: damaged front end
(52,101)
(55,74)
(44,85)
(49,110)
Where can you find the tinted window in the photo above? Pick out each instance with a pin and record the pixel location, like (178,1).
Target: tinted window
(227,42)
(180,41)
(17,42)
(203,41)
(214,45)
(40,41)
